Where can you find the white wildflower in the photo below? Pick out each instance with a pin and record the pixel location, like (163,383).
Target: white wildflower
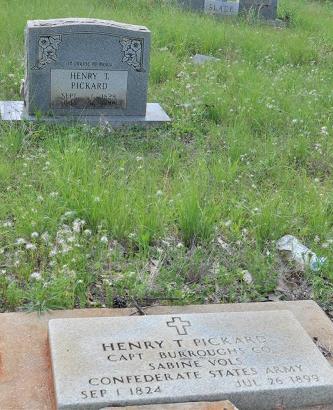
(87,232)
(34,235)
(20,241)
(104,239)
(46,237)
(65,249)
(36,276)
(78,224)
(30,246)
(69,214)
(53,252)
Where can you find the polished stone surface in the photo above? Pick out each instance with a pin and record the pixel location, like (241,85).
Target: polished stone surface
(257,360)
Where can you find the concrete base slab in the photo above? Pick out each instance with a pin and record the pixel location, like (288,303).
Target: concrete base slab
(155,116)
(25,369)
(275,23)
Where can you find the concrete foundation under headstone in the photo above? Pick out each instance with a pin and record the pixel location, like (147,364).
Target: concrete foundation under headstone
(13,111)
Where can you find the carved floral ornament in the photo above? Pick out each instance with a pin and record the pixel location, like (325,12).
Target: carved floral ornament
(132,49)
(47,50)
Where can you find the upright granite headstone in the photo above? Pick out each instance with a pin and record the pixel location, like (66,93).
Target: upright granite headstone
(216,7)
(88,69)
(265,9)
(257,360)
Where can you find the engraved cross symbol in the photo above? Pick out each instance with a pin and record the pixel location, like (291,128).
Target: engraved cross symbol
(180,325)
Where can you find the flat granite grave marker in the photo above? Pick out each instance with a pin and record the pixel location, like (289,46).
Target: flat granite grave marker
(88,70)
(257,360)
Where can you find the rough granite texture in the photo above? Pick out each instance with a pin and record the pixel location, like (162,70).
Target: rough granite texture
(217,405)
(200,59)
(25,368)
(257,360)
(265,9)
(75,64)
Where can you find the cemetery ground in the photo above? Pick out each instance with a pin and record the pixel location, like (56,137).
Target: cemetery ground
(185,213)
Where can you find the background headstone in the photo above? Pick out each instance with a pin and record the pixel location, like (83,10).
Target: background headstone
(220,7)
(196,5)
(266,9)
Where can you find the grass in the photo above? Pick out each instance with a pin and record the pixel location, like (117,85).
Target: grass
(175,215)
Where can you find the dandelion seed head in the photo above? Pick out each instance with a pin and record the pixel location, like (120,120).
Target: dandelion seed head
(87,232)
(46,237)
(30,246)
(36,275)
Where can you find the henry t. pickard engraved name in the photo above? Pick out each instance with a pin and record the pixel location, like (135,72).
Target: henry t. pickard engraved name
(88,89)
(249,358)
